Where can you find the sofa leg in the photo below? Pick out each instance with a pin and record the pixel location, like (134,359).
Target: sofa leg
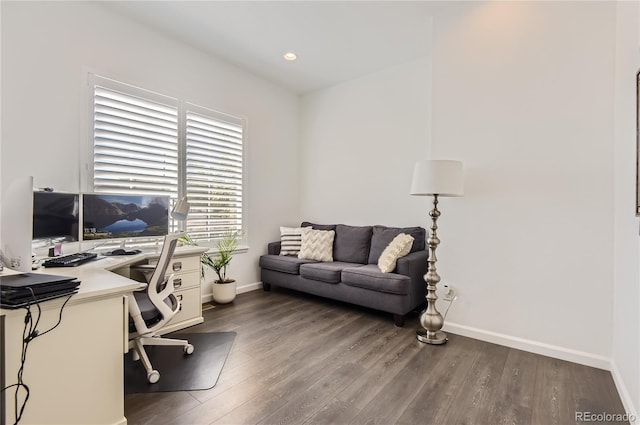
(398,320)
(266,286)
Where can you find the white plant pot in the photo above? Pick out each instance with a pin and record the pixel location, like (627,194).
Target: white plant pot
(224,293)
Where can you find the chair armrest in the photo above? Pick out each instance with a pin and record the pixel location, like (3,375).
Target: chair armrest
(146,270)
(143,267)
(141,287)
(273,248)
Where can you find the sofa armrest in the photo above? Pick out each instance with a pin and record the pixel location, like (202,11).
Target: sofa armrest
(273,248)
(415,267)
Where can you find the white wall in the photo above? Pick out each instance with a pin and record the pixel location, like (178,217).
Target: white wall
(359,142)
(626,292)
(47,49)
(523,95)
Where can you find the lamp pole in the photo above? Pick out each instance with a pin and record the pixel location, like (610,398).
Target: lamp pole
(431,319)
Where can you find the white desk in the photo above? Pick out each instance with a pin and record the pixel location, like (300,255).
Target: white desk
(75,373)
(186,268)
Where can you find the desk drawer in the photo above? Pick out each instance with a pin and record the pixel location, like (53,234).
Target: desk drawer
(190,305)
(185,280)
(181,264)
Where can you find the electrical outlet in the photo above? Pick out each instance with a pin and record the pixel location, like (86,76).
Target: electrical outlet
(449,293)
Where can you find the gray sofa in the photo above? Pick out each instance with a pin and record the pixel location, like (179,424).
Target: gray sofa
(354,276)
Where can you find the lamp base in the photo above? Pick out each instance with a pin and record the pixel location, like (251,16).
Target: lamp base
(439,338)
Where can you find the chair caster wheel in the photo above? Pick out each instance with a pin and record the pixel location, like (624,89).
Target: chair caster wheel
(153,376)
(188,349)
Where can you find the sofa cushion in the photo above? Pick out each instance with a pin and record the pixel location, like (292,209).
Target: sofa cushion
(282,263)
(318,226)
(290,240)
(352,243)
(399,247)
(382,237)
(317,244)
(370,277)
(325,272)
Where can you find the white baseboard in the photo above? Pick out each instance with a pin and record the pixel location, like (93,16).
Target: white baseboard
(562,353)
(240,289)
(627,402)
(557,352)
(249,287)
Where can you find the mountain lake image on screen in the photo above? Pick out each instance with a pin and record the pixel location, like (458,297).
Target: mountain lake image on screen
(111,216)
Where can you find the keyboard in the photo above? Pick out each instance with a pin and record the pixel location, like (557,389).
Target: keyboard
(70,260)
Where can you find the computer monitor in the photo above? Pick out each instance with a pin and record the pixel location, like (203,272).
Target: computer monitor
(113,216)
(56,216)
(16,226)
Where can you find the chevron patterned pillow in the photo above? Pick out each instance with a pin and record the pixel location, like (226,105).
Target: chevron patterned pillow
(317,244)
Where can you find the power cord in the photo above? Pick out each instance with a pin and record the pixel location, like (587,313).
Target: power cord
(450,300)
(449,296)
(29,333)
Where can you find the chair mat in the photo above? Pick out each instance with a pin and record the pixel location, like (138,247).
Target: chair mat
(179,371)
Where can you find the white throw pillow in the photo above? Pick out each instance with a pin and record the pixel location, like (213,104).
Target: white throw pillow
(398,247)
(317,244)
(290,240)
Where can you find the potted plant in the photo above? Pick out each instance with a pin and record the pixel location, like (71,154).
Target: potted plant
(223,288)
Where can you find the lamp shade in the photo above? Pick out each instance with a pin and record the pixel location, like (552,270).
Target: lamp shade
(437,177)
(181,209)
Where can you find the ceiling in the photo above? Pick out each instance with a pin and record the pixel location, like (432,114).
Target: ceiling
(335,40)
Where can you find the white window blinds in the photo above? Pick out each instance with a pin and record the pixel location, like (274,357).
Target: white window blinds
(147,143)
(214,177)
(135,144)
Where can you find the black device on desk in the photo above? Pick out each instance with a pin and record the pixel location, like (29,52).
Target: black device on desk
(19,290)
(70,260)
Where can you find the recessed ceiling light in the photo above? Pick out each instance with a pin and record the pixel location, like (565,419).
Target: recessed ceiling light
(290,56)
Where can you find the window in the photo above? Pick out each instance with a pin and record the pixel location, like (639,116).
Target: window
(135,144)
(147,143)
(213,175)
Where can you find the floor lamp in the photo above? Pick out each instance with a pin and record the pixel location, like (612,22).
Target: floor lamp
(434,178)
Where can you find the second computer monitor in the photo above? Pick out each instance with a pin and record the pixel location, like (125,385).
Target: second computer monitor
(55,216)
(113,216)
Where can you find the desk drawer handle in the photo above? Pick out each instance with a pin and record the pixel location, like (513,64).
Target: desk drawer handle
(179,297)
(177,266)
(177,283)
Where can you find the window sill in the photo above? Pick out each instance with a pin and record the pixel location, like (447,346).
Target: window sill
(241,249)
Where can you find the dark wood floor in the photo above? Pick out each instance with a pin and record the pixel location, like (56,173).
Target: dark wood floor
(299,359)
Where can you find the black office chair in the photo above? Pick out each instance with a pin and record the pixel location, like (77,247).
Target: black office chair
(151,309)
